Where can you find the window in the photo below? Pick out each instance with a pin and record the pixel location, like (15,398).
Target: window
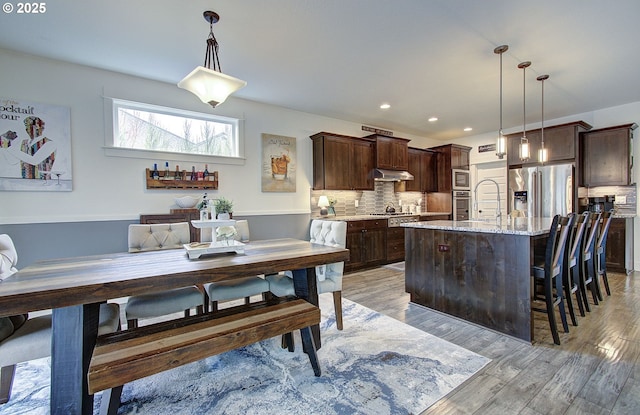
(145,128)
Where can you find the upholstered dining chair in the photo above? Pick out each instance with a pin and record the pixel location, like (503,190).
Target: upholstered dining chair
(329,277)
(24,338)
(245,288)
(153,237)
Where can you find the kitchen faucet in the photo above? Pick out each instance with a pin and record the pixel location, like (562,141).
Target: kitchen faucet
(475,197)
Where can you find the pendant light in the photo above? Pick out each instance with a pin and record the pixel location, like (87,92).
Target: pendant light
(543,156)
(524,141)
(211,85)
(501,144)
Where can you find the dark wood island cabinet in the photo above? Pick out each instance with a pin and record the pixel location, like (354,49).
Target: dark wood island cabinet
(479,272)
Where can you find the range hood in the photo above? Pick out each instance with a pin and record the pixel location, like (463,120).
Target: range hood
(385,175)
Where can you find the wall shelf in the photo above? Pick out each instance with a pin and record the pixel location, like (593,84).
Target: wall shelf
(212,183)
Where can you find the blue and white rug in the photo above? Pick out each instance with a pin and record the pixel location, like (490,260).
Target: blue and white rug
(376,365)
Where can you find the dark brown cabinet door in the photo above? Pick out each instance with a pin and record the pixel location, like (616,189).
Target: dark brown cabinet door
(391,152)
(430,174)
(342,162)
(416,169)
(367,243)
(606,156)
(362,165)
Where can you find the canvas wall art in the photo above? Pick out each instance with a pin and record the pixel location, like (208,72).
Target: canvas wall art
(35,146)
(279,163)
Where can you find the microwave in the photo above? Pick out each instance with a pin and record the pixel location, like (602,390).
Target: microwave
(461,179)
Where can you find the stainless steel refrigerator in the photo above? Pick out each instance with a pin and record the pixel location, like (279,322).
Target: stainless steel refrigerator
(542,191)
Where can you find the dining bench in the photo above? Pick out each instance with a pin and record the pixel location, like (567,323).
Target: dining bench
(123,357)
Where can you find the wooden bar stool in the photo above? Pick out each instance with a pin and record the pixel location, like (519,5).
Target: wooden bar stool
(550,275)
(601,250)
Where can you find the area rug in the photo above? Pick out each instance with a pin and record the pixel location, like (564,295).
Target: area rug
(376,365)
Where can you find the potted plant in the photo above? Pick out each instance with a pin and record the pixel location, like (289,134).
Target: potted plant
(224,208)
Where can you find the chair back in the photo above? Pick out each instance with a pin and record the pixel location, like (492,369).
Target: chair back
(604,230)
(329,233)
(8,257)
(554,256)
(569,222)
(590,242)
(154,237)
(242,229)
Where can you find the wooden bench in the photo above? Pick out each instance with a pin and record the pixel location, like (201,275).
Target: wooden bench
(122,357)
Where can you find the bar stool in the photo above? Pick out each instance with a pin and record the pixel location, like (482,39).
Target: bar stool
(573,258)
(550,275)
(569,261)
(586,260)
(601,250)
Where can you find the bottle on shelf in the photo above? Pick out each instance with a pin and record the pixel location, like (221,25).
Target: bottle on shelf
(194,177)
(206,172)
(178,176)
(155,175)
(166,170)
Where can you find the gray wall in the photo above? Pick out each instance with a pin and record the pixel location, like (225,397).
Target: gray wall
(35,242)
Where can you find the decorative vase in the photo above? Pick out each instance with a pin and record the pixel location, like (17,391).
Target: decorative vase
(224,216)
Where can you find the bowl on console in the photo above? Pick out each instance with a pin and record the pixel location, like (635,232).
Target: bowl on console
(186,202)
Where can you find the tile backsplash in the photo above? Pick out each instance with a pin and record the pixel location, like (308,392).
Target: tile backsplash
(368,201)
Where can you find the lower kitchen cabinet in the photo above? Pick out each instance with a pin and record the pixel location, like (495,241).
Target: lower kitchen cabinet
(395,244)
(615,255)
(367,243)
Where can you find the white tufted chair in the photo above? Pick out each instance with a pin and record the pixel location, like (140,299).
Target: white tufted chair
(23,339)
(153,237)
(324,232)
(239,288)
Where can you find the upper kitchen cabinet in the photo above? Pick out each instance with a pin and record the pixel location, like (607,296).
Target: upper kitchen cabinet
(561,142)
(450,156)
(391,152)
(422,165)
(342,163)
(607,157)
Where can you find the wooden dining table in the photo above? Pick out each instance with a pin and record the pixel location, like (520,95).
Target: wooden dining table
(74,288)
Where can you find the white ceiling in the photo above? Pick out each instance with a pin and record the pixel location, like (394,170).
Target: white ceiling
(343,58)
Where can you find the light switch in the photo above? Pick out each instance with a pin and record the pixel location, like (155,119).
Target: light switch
(357,202)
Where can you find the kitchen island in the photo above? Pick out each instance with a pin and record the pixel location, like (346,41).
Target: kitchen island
(478,271)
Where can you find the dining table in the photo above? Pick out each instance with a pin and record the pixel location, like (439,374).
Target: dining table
(74,287)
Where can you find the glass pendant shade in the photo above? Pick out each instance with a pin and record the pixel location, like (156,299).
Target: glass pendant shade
(524,149)
(543,156)
(212,87)
(501,146)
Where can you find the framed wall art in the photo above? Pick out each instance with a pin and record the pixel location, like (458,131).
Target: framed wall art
(279,163)
(35,146)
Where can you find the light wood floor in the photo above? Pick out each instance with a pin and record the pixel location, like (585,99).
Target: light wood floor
(596,369)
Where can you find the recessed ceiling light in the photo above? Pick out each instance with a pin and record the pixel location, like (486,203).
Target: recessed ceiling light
(385,106)
(468,129)
(433,119)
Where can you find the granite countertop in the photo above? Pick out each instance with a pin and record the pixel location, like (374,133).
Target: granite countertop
(374,217)
(508,226)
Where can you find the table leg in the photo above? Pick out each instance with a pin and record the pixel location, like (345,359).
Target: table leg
(73,338)
(305,285)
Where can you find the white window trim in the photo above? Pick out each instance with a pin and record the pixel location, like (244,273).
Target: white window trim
(113,151)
